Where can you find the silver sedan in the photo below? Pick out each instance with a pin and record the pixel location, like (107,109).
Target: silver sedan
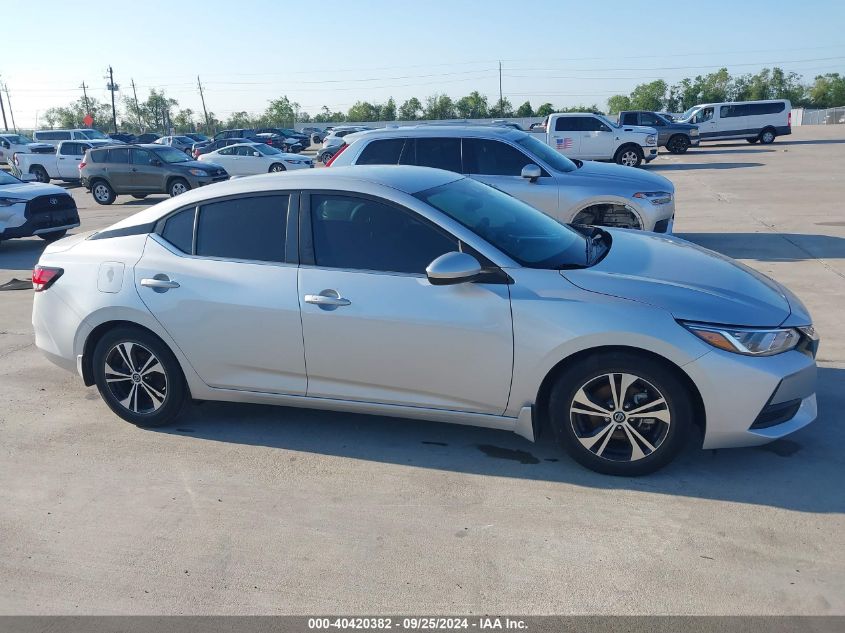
(414,292)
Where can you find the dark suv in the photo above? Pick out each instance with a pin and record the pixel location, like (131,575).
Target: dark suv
(140,170)
(676,137)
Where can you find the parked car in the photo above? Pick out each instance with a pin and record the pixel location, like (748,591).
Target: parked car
(247,159)
(595,137)
(197,138)
(334,140)
(491,314)
(123,137)
(675,137)
(580,192)
(140,170)
(279,142)
(11,144)
(325,154)
(292,135)
(30,208)
(204,148)
(52,137)
(146,137)
(62,164)
(315,134)
(182,143)
(247,133)
(754,121)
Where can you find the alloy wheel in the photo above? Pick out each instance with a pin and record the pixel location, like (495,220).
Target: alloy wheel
(620,417)
(629,158)
(768,137)
(101,192)
(178,188)
(135,377)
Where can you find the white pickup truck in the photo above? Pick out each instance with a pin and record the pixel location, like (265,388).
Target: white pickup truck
(595,137)
(61,165)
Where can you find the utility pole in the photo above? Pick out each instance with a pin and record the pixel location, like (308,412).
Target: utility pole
(111,87)
(501,99)
(11,112)
(204,111)
(137,107)
(3,109)
(85,96)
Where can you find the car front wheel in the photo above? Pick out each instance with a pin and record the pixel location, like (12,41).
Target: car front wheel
(678,144)
(102,192)
(629,156)
(620,413)
(178,187)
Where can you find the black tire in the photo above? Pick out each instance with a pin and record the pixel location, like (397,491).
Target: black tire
(53,236)
(678,144)
(139,196)
(629,155)
(178,186)
(325,157)
(767,136)
(40,173)
(752,140)
(102,192)
(163,379)
(653,380)
(276,167)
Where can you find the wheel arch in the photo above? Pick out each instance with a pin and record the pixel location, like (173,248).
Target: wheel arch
(607,200)
(541,402)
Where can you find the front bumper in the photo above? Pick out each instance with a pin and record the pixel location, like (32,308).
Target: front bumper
(658,218)
(649,153)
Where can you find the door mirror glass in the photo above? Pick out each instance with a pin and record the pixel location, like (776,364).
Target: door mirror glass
(453,268)
(28,177)
(256,154)
(531,172)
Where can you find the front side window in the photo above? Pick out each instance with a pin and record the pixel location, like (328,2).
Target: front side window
(245,150)
(493,158)
(227,151)
(442,153)
(250,228)
(651,120)
(702,116)
(629,118)
(552,158)
(593,124)
(119,156)
(171,155)
(382,152)
(142,157)
(363,234)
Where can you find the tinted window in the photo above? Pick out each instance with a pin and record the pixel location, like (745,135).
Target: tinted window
(493,158)
(629,118)
(592,124)
(385,152)
(568,124)
(179,230)
(99,156)
(650,119)
(120,156)
(142,157)
(364,234)
(227,151)
(71,149)
(244,228)
(245,150)
(442,153)
(765,108)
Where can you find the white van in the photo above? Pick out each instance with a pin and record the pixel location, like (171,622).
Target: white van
(84,134)
(752,120)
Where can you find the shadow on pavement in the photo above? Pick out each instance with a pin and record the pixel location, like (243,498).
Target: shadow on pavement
(770,247)
(801,473)
(689,166)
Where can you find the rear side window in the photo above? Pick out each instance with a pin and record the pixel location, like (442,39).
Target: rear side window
(99,156)
(179,230)
(244,228)
(384,152)
(765,108)
(442,153)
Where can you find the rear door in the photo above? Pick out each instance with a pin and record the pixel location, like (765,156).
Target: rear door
(566,137)
(596,138)
(232,304)
(118,171)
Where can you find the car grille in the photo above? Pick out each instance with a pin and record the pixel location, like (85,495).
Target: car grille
(49,211)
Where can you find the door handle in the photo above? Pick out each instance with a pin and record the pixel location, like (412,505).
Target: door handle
(160,283)
(323,300)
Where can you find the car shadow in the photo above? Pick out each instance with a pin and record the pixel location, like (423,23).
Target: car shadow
(691,166)
(801,473)
(781,141)
(769,247)
(696,151)
(20,254)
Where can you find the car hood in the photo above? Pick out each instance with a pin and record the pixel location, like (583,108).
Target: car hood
(638,179)
(690,282)
(30,190)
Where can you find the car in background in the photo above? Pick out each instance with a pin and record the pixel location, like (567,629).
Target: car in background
(675,137)
(34,209)
(204,148)
(592,136)
(279,142)
(196,137)
(123,137)
(11,144)
(292,135)
(147,137)
(182,143)
(754,121)
(522,165)
(334,140)
(140,170)
(52,137)
(248,159)
(247,133)
(62,164)
(315,134)
(419,293)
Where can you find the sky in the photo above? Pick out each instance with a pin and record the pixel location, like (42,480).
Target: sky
(335,53)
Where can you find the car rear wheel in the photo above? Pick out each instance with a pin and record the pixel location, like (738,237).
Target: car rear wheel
(102,192)
(277,167)
(178,186)
(629,155)
(52,236)
(678,144)
(767,136)
(139,377)
(40,173)
(620,413)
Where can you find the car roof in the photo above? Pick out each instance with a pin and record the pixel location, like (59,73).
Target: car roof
(451,131)
(403,178)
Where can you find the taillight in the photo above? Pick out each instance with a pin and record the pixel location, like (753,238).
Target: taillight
(82,164)
(43,277)
(789,119)
(336,154)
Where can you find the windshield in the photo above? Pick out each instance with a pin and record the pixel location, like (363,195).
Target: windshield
(7,179)
(687,114)
(266,150)
(17,139)
(525,234)
(171,155)
(92,134)
(552,158)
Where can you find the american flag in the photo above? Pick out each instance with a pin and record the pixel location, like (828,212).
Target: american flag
(563,143)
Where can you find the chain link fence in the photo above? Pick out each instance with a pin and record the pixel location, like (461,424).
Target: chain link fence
(828,116)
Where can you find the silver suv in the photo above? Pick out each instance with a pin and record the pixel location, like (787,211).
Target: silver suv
(574,191)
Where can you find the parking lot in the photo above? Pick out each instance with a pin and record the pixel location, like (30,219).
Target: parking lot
(253,509)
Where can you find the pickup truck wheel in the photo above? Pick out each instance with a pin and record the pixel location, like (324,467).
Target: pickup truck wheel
(678,144)
(40,173)
(102,192)
(53,236)
(629,155)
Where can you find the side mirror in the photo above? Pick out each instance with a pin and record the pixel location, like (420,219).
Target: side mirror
(453,268)
(28,177)
(256,154)
(531,172)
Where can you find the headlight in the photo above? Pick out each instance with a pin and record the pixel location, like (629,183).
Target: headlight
(747,341)
(198,172)
(651,139)
(296,162)
(693,131)
(655,197)
(8,202)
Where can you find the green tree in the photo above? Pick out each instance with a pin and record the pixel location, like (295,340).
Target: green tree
(410,110)
(388,111)
(650,96)
(618,103)
(545,109)
(525,110)
(473,106)
(240,119)
(71,115)
(827,91)
(363,111)
(580,108)
(503,109)
(183,121)
(280,113)
(438,107)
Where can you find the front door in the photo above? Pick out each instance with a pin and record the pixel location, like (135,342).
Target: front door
(377,331)
(566,137)
(707,126)
(226,295)
(596,138)
(146,175)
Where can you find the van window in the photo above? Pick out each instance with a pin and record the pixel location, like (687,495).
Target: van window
(705,114)
(765,108)
(382,152)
